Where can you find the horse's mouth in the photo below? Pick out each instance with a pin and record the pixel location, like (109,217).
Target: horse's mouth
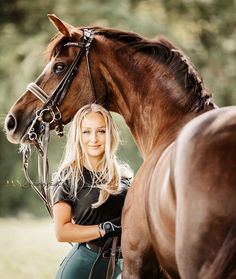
(17,138)
(27,135)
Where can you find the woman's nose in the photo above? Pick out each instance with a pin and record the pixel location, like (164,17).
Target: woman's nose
(93,137)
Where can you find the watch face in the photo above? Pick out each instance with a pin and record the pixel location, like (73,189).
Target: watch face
(107,226)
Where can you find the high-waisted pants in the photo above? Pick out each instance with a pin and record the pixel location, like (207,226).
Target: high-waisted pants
(78,263)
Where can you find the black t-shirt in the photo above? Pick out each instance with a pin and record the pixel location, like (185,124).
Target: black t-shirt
(82,212)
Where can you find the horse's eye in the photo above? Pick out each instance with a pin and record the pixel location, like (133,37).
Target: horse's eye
(59,68)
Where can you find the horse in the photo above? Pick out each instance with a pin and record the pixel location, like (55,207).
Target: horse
(179,217)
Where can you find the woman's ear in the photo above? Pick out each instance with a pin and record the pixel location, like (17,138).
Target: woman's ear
(61,26)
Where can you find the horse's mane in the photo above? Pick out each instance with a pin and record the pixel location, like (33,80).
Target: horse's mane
(178,64)
(163,51)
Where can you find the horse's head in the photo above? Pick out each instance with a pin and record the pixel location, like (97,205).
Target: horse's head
(143,80)
(50,98)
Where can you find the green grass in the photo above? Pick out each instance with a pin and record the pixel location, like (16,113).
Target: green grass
(29,249)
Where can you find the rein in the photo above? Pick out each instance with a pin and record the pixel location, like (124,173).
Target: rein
(39,131)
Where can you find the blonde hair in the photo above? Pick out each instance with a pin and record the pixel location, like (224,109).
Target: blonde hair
(71,167)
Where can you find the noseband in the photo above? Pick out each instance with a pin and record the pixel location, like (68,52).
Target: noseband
(50,113)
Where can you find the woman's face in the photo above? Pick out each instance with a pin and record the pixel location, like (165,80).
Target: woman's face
(93,128)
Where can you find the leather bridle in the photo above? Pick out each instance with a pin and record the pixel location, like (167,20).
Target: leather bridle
(49,112)
(50,115)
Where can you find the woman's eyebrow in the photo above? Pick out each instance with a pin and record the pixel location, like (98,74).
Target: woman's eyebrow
(89,127)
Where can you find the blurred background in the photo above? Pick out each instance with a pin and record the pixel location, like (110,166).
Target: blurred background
(204,29)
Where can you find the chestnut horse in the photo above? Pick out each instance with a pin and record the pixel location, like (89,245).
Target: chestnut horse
(180,212)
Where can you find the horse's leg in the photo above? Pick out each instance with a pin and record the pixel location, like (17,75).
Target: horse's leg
(224,265)
(205,178)
(139,258)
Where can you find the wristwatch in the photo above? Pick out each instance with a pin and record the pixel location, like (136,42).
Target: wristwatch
(106,227)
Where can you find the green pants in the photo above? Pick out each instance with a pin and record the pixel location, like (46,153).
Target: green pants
(78,263)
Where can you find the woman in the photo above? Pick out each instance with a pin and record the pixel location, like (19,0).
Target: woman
(89,192)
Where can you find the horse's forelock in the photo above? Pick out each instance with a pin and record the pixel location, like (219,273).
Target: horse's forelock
(52,46)
(59,40)
(56,42)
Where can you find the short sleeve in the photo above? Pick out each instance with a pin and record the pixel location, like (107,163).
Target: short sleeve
(61,193)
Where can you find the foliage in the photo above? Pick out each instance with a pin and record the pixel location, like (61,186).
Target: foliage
(204,29)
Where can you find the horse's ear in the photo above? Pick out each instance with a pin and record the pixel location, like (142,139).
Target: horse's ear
(60,25)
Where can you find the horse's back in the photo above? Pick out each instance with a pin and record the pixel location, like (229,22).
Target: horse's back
(205,183)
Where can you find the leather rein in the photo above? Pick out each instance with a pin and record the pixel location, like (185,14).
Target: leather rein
(39,131)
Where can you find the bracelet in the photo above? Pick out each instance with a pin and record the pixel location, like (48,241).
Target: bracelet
(101,232)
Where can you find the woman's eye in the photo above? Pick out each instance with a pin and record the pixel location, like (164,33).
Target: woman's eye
(85,132)
(59,68)
(102,131)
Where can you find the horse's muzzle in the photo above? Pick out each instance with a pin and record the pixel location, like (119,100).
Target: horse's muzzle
(13,132)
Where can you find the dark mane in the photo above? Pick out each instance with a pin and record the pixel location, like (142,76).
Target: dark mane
(163,51)
(178,64)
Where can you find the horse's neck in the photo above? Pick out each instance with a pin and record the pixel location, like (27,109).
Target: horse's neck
(146,103)
(156,130)
(152,125)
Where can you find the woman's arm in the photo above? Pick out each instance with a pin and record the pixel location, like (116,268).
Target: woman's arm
(66,231)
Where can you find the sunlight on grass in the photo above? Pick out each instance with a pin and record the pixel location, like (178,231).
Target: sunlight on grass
(29,249)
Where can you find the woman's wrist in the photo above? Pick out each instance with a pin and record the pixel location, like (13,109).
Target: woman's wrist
(101,231)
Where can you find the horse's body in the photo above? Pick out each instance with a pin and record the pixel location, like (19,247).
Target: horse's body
(180,211)
(192,195)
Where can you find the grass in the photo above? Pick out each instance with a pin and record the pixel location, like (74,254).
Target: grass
(29,249)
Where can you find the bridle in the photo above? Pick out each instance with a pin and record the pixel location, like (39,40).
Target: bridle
(49,114)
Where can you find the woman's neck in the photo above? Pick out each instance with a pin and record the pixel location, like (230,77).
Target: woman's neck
(93,165)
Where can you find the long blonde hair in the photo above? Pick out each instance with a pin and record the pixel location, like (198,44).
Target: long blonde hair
(71,167)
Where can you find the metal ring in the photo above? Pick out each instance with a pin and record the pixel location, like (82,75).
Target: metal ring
(51,113)
(32,136)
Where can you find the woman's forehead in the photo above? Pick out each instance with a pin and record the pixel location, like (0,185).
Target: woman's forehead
(92,119)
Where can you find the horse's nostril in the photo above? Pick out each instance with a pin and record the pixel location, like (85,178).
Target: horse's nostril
(10,123)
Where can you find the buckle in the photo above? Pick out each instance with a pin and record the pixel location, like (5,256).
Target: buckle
(106,253)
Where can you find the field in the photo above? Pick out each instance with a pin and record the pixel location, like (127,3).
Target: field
(29,250)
